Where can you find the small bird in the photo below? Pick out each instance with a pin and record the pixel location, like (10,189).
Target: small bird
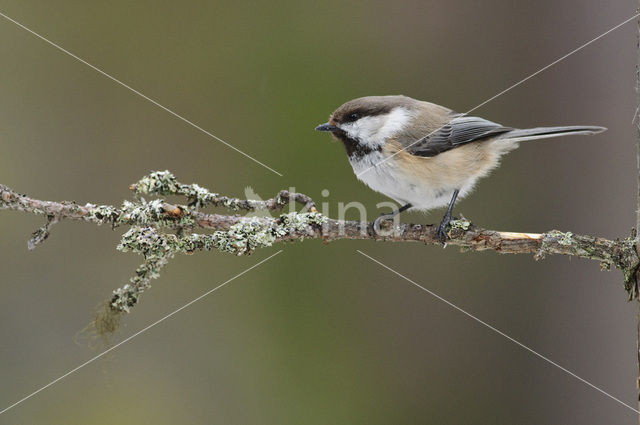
(423,155)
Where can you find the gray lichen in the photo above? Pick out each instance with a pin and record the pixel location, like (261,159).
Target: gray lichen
(149,243)
(243,238)
(41,234)
(127,296)
(143,213)
(157,183)
(565,238)
(149,221)
(153,213)
(164,183)
(240,239)
(102,214)
(461,224)
(156,251)
(619,253)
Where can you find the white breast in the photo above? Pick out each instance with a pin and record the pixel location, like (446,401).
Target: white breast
(388,178)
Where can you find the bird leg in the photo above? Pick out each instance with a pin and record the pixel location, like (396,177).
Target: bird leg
(442,227)
(389,216)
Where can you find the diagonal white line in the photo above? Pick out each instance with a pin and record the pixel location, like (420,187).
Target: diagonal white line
(175,114)
(507,89)
(499,332)
(136,334)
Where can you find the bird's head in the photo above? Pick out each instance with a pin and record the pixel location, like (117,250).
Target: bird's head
(370,121)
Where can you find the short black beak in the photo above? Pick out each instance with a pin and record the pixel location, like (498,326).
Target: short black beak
(327,127)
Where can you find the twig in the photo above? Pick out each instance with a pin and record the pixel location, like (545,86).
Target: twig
(163,183)
(242,235)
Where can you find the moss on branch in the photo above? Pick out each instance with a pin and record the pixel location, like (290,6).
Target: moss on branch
(159,230)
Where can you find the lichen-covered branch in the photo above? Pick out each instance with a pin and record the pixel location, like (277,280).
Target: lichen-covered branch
(159,230)
(163,183)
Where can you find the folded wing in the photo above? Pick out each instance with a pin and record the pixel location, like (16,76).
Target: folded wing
(459,131)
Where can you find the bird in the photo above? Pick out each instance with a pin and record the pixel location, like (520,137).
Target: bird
(426,156)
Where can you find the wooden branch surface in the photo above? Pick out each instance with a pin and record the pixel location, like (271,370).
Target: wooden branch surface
(617,253)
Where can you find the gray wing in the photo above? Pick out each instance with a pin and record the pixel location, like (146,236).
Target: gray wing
(457,132)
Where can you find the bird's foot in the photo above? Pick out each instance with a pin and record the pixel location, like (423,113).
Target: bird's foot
(441,230)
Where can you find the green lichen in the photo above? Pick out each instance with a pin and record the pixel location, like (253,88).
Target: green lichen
(157,248)
(555,236)
(295,221)
(565,239)
(243,238)
(156,251)
(126,297)
(152,213)
(164,183)
(198,196)
(562,238)
(143,213)
(157,183)
(39,236)
(461,224)
(102,214)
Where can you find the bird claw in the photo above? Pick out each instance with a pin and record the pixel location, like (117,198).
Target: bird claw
(441,230)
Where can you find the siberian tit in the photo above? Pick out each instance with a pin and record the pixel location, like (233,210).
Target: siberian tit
(423,155)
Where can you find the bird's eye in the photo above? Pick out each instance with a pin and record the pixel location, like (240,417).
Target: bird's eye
(353,117)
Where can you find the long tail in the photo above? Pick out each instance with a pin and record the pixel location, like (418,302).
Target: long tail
(546,132)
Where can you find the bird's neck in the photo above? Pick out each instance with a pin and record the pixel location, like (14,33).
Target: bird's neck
(354,148)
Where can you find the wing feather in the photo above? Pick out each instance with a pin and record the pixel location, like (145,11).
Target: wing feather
(457,132)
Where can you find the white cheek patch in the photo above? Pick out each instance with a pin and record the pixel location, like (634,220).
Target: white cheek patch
(374,131)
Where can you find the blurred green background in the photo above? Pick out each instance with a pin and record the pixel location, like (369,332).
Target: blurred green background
(319,334)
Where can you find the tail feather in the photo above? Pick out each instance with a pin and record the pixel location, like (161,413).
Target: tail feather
(546,132)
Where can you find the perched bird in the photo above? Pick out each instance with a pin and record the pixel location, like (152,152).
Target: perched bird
(423,155)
